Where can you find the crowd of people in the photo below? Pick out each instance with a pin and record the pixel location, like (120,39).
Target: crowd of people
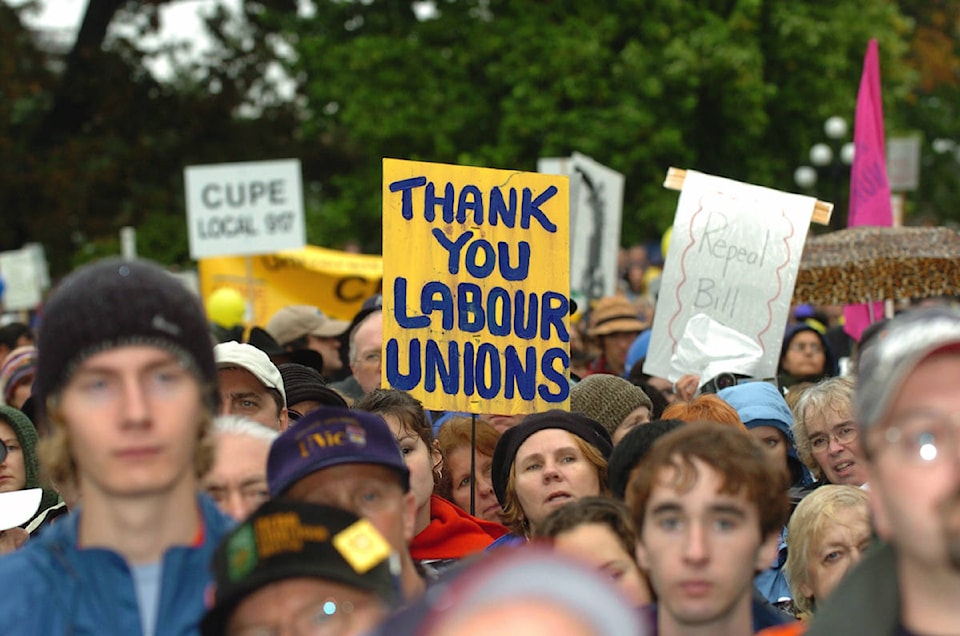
(164,473)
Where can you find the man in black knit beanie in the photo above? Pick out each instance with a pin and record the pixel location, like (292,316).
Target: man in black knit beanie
(126,384)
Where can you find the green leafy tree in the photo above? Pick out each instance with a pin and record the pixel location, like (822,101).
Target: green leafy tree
(738,89)
(933,110)
(92,141)
(102,144)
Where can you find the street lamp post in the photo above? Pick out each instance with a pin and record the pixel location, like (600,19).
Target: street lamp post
(831,161)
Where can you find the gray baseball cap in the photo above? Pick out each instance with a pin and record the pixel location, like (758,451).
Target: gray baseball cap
(905,342)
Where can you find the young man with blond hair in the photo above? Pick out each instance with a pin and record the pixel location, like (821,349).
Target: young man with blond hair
(127,384)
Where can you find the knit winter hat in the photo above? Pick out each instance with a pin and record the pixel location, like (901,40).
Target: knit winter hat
(113,303)
(534,573)
(590,431)
(27,435)
(20,364)
(608,399)
(631,450)
(303,383)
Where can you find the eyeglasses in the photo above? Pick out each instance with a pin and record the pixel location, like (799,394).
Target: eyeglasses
(812,347)
(319,619)
(844,434)
(923,437)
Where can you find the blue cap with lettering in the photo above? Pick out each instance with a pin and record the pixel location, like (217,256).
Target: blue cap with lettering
(330,436)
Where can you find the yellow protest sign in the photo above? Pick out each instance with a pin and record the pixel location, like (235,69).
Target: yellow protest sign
(476,286)
(336,282)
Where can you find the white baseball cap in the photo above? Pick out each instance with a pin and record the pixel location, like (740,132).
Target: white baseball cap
(248,357)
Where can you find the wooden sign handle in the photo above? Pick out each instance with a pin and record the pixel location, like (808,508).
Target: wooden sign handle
(821,209)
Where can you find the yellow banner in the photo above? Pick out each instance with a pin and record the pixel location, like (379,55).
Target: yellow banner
(336,282)
(476,287)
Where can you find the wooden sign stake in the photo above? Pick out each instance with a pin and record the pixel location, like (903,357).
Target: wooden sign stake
(821,210)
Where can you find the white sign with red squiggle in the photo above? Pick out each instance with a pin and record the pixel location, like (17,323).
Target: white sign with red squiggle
(733,255)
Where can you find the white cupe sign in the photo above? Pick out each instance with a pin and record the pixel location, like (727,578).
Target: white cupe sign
(243,209)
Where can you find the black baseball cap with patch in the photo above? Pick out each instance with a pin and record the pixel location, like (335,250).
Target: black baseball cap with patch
(287,539)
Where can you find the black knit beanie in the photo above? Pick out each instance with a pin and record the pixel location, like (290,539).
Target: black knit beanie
(632,448)
(115,302)
(590,431)
(302,383)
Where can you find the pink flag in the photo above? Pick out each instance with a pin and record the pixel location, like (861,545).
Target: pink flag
(869,187)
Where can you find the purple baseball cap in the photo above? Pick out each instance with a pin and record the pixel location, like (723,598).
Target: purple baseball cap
(330,436)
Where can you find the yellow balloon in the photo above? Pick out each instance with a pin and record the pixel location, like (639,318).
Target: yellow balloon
(652,274)
(665,243)
(226,307)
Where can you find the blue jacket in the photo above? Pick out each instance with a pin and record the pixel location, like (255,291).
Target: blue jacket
(762,614)
(52,587)
(772,583)
(762,404)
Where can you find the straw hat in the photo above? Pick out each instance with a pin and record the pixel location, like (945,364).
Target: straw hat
(614,314)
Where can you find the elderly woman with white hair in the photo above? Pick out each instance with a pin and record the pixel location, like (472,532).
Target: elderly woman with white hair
(237,481)
(827,535)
